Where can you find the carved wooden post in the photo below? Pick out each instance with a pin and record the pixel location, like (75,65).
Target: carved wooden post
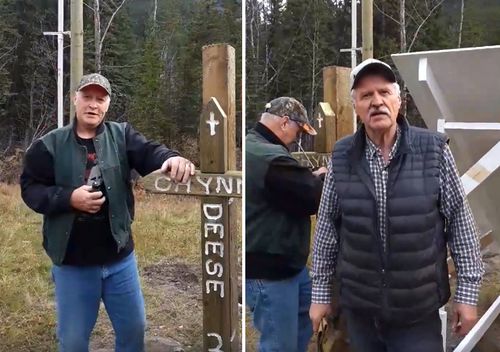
(218,183)
(334,117)
(337,92)
(325,125)
(218,245)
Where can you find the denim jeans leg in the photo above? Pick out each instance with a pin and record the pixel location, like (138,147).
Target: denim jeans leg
(275,308)
(305,326)
(78,295)
(124,303)
(364,335)
(423,336)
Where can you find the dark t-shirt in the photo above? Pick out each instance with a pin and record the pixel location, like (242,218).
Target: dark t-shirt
(91,241)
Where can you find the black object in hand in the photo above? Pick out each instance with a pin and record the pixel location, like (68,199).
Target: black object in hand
(95,186)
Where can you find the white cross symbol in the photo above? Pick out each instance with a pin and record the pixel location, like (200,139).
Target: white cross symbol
(212,122)
(319,118)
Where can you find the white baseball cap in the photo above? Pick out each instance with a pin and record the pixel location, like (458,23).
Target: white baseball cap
(372,67)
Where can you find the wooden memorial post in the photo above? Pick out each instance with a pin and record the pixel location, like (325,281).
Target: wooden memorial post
(334,118)
(217,186)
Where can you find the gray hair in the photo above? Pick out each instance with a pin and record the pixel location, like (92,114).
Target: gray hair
(397,90)
(268,116)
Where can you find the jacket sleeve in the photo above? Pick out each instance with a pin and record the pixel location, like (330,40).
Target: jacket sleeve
(293,187)
(143,155)
(38,188)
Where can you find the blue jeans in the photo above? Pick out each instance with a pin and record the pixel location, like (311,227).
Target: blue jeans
(280,311)
(370,335)
(79,291)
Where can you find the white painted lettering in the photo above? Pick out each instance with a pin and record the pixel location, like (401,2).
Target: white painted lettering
(217,247)
(214,228)
(316,160)
(219,342)
(187,185)
(217,207)
(215,283)
(239,182)
(157,184)
(224,182)
(217,269)
(206,185)
(325,160)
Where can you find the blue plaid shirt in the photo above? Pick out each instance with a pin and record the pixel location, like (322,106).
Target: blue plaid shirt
(463,240)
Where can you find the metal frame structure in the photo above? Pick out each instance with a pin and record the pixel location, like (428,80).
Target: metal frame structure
(60,68)
(472,178)
(440,105)
(480,328)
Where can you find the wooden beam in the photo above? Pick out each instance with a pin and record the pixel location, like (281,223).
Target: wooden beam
(219,82)
(218,244)
(337,92)
(325,125)
(228,184)
(316,159)
(213,138)
(76,51)
(367,28)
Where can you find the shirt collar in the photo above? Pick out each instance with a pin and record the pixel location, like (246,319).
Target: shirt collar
(268,134)
(373,150)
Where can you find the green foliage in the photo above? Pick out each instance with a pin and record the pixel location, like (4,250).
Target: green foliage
(153,64)
(289,42)
(481,23)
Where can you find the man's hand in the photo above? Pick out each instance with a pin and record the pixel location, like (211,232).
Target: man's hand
(464,316)
(180,169)
(317,312)
(322,170)
(85,200)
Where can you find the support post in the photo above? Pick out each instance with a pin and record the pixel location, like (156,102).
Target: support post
(217,155)
(60,61)
(367,28)
(354,29)
(336,92)
(76,50)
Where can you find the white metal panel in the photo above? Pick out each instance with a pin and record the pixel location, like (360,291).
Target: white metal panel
(461,85)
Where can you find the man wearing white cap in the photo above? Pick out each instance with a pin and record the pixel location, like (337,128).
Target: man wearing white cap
(391,204)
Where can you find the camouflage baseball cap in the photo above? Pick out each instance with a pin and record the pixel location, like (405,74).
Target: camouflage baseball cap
(286,106)
(94,79)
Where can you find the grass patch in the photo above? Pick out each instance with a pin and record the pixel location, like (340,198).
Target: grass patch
(167,235)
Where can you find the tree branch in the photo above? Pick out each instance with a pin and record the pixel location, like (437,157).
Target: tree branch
(111,20)
(4,62)
(421,24)
(88,6)
(385,14)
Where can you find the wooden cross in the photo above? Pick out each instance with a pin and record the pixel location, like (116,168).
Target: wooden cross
(217,183)
(323,141)
(212,122)
(319,118)
(333,117)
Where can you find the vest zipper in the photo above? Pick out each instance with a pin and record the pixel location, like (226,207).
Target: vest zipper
(382,254)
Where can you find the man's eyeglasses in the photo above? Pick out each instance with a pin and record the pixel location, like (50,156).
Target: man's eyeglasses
(298,122)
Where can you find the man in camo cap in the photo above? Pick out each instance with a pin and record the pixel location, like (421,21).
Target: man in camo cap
(78,176)
(286,106)
(94,79)
(281,196)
